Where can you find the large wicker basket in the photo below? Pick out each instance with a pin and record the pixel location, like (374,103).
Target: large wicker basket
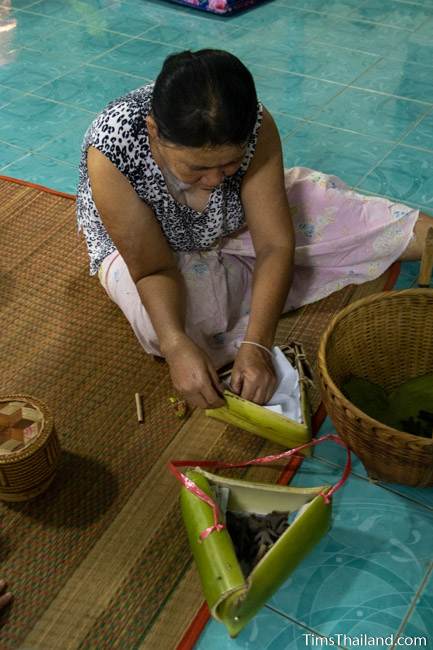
(386,338)
(26,473)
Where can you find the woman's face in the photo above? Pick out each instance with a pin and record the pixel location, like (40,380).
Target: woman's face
(201,167)
(204,168)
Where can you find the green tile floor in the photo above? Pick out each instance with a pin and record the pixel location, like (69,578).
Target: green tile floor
(350,83)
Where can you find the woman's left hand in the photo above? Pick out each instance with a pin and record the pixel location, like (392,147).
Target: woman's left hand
(253,376)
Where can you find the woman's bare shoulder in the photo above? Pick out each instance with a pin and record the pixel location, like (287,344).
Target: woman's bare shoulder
(129,221)
(268,145)
(268,134)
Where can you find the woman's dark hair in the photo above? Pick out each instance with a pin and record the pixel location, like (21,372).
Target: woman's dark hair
(204,98)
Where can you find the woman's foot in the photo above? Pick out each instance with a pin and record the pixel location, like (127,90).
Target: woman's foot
(5,596)
(416,246)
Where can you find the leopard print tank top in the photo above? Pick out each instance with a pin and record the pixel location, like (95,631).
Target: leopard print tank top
(120,133)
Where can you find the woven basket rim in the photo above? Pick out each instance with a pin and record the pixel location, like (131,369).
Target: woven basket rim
(323,370)
(43,435)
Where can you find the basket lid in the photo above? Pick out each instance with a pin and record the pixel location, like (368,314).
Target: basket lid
(21,422)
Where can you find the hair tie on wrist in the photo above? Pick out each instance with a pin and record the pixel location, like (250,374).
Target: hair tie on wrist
(258,345)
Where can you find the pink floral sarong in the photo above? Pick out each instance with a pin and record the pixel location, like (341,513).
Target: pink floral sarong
(342,238)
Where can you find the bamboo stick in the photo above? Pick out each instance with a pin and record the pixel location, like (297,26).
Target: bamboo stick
(139,405)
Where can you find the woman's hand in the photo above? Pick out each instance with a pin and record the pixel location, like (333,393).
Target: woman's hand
(193,374)
(253,376)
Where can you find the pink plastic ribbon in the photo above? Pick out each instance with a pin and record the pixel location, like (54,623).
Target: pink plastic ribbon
(192,487)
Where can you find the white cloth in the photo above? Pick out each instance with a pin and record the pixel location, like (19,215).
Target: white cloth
(287,397)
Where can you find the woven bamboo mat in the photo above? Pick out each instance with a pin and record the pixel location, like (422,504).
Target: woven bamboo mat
(100,560)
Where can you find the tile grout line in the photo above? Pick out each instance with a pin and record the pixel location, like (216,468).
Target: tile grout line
(302,121)
(384,94)
(384,486)
(350,18)
(346,18)
(376,164)
(298,127)
(311,119)
(54,101)
(82,22)
(300,74)
(424,581)
(87,62)
(389,152)
(14,146)
(413,604)
(37,150)
(130,38)
(329,463)
(31,4)
(408,130)
(417,206)
(372,137)
(300,124)
(28,154)
(356,187)
(387,56)
(405,496)
(33,150)
(387,25)
(412,3)
(92,62)
(34,93)
(27,10)
(429,20)
(345,88)
(300,624)
(417,123)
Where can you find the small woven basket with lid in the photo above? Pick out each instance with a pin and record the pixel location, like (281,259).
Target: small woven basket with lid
(29,448)
(386,338)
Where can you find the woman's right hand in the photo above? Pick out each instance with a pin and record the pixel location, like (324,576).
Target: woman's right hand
(193,374)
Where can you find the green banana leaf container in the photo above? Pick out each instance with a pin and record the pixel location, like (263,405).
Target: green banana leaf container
(233,596)
(256,419)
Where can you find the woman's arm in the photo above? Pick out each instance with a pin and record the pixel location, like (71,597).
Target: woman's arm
(268,217)
(137,236)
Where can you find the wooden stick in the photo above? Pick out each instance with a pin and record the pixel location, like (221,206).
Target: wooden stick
(139,405)
(225,373)
(426,261)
